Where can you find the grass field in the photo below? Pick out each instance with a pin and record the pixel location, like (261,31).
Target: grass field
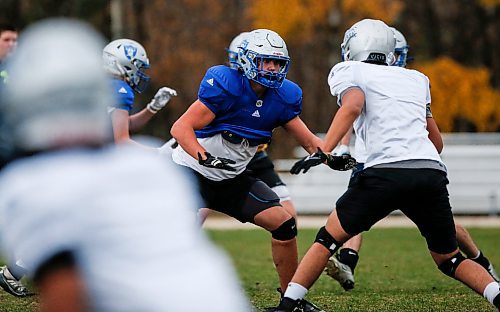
(395,273)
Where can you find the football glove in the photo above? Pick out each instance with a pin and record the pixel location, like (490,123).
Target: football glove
(341,163)
(161,98)
(216,162)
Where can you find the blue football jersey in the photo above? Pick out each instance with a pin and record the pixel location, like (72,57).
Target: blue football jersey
(228,94)
(124,94)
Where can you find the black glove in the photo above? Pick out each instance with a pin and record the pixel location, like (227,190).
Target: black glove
(341,163)
(216,162)
(309,161)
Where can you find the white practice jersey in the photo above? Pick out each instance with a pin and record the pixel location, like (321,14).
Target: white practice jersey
(217,146)
(128,216)
(392,125)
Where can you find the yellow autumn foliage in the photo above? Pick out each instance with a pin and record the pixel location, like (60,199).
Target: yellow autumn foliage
(489,3)
(457,90)
(385,10)
(291,18)
(296,19)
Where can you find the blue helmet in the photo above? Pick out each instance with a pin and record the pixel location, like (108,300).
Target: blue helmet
(260,45)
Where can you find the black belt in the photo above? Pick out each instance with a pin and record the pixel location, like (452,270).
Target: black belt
(238,139)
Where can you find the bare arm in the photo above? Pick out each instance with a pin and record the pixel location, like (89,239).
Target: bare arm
(298,129)
(121,125)
(138,120)
(434,134)
(120,122)
(196,117)
(352,105)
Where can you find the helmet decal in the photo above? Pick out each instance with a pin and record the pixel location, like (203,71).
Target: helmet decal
(130,51)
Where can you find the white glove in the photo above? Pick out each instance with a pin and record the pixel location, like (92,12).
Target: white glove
(341,150)
(161,99)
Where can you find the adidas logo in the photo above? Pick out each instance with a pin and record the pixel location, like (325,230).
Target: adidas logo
(211,81)
(256,113)
(122,90)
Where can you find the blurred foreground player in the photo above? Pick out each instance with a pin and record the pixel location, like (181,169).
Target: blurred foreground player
(88,245)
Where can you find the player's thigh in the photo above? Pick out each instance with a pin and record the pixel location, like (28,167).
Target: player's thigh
(369,198)
(429,208)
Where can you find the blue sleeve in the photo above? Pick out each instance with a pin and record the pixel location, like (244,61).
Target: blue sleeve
(291,94)
(219,85)
(124,94)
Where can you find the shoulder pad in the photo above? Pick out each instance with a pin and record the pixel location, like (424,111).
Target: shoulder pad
(225,78)
(290,92)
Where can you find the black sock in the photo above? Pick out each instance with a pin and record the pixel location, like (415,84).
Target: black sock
(482,260)
(348,256)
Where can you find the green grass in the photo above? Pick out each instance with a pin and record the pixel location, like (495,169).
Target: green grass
(395,273)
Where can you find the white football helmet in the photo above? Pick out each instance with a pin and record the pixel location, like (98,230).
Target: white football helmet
(369,41)
(60,99)
(126,58)
(232,51)
(401,49)
(257,46)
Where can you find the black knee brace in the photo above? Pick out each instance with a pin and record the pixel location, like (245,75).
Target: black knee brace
(325,239)
(286,231)
(449,266)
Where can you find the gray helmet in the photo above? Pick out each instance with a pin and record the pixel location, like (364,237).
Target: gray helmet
(370,41)
(58,92)
(232,51)
(126,58)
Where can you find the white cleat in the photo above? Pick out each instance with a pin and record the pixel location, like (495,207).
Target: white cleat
(342,273)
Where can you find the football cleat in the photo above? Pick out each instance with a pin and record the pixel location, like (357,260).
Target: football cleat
(341,272)
(492,272)
(13,286)
(287,305)
(309,307)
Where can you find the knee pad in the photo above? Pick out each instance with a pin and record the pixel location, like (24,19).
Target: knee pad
(324,238)
(449,266)
(286,231)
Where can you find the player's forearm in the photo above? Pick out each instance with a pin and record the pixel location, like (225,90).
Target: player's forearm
(186,138)
(352,106)
(138,120)
(435,134)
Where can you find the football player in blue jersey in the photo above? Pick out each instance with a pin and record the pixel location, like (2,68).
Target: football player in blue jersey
(236,111)
(261,166)
(125,60)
